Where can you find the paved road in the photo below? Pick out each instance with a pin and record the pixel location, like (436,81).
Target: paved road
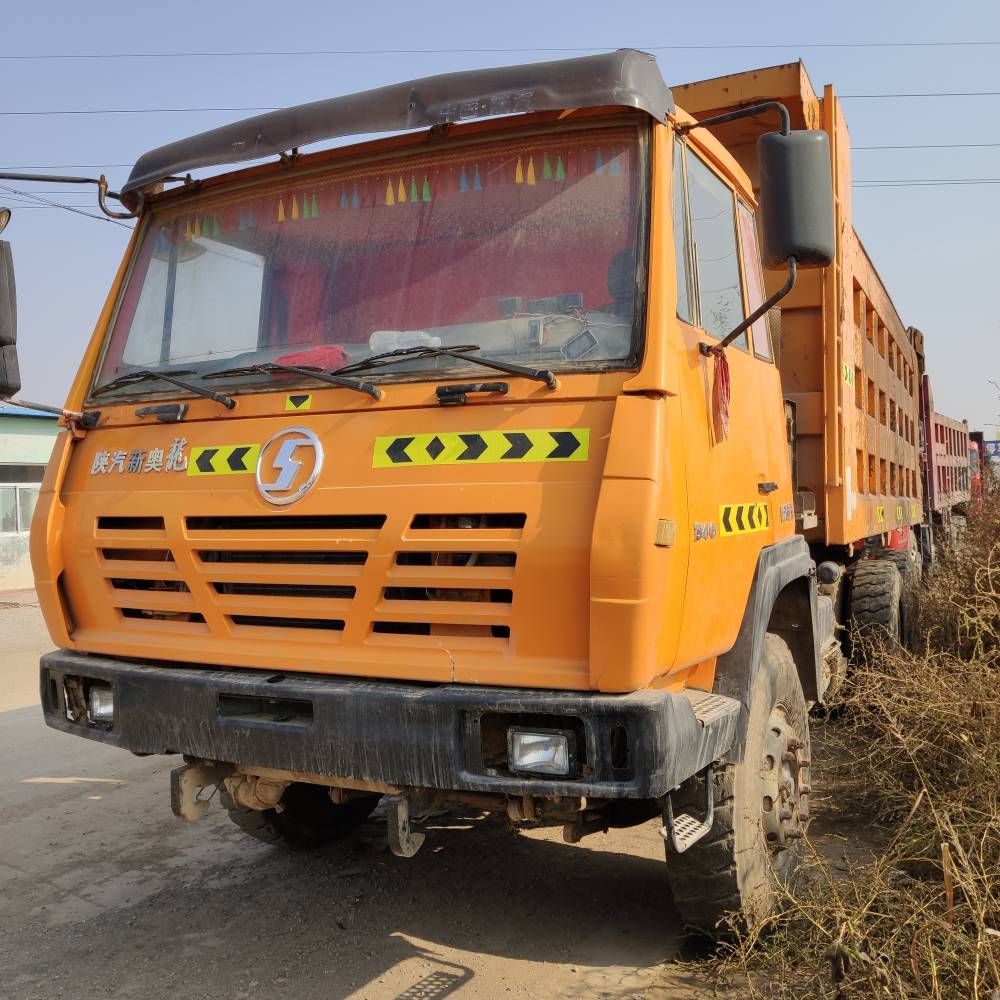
(104,894)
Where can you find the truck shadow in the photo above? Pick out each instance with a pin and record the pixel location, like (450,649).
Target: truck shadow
(354,921)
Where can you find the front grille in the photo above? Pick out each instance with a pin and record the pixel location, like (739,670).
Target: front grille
(348,579)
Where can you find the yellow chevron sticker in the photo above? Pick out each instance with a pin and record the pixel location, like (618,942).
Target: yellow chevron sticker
(880,514)
(899,513)
(743,518)
(298,401)
(571,444)
(914,512)
(223,460)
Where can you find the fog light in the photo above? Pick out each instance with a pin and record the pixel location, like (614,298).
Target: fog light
(101,703)
(540,752)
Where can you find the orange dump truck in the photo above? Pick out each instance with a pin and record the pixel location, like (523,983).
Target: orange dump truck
(452,467)
(851,375)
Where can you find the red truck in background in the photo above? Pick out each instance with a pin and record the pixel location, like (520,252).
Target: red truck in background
(945,467)
(977,470)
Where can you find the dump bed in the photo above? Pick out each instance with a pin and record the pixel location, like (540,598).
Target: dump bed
(847,362)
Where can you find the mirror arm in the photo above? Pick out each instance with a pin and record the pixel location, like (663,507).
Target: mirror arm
(102,190)
(747,112)
(87,419)
(709,349)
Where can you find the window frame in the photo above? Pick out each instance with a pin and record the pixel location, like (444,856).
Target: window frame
(742,202)
(690,264)
(694,280)
(370,154)
(20,529)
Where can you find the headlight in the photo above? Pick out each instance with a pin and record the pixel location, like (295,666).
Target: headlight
(544,752)
(101,703)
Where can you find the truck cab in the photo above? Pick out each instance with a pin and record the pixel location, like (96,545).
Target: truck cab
(449,467)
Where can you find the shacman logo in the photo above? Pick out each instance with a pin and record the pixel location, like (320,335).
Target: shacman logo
(289,465)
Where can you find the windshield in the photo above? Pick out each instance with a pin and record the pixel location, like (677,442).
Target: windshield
(524,248)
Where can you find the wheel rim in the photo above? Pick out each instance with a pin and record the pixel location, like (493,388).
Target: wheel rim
(785,782)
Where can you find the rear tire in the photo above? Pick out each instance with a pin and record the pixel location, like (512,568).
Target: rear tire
(732,870)
(309,818)
(876,605)
(910,572)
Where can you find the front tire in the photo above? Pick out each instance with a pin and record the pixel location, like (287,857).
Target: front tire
(309,819)
(761,807)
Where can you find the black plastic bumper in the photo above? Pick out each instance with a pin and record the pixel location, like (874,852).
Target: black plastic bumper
(409,735)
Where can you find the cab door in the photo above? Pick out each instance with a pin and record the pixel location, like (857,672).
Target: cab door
(738,476)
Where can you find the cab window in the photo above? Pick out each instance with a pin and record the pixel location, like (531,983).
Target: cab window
(712,248)
(717,260)
(755,280)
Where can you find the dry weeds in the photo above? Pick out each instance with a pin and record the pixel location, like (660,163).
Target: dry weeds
(917,751)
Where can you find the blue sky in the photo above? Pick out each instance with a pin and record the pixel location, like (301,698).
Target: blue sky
(935,247)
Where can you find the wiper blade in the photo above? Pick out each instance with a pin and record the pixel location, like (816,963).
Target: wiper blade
(389,357)
(149,375)
(269,367)
(463,353)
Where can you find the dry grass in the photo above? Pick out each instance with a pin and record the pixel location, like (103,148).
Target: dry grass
(917,751)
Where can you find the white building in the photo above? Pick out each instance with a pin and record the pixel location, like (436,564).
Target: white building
(26,439)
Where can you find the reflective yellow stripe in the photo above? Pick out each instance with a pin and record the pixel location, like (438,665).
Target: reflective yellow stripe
(298,401)
(223,460)
(482,447)
(743,518)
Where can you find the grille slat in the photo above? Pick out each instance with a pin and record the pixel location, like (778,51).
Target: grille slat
(311,591)
(280,622)
(146,584)
(166,600)
(131,523)
(137,555)
(260,524)
(283,557)
(449,595)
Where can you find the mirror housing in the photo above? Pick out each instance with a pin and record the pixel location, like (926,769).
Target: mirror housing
(10,374)
(796,198)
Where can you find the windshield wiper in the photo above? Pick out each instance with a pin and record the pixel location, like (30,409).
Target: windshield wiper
(461,352)
(268,367)
(149,374)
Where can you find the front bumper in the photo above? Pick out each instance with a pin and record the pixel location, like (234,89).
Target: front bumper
(402,734)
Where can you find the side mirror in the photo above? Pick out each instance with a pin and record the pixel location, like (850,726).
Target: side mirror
(10,373)
(796,198)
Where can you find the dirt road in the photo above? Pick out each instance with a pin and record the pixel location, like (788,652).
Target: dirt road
(104,894)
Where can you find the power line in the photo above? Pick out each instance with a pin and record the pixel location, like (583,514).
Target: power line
(69,166)
(940,145)
(934,182)
(255,110)
(128,166)
(958,93)
(125,111)
(56,204)
(683,47)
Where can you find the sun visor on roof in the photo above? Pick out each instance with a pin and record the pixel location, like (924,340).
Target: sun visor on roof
(627,78)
